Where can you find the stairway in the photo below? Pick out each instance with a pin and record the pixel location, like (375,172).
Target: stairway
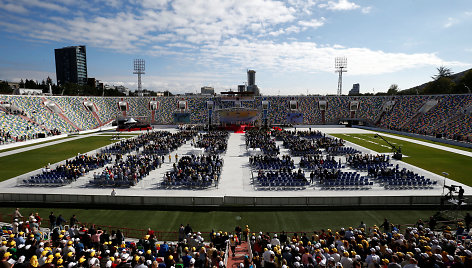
(241,251)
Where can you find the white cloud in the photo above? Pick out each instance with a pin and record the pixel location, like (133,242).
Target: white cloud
(43,5)
(277,33)
(450,22)
(193,21)
(339,5)
(310,57)
(292,29)
(366,10)
(314,23)
(304,6)
(11,7)
(186,82)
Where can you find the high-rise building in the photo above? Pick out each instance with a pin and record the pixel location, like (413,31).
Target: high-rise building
(355,89)
(251,82)
(71,65)
(207,90)
(251,77)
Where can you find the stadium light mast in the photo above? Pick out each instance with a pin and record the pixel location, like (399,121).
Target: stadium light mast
(139,67)
(340,64)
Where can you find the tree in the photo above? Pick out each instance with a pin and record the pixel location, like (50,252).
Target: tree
(465,84)
(31,84)
(393,90)
(443,85)
(5,88)
(442,72)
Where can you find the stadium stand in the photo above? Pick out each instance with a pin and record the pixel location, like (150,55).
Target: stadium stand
(15,128)
(370,107)
(402,112)
(107,108)
(75,110)
(28,242)
(417,114)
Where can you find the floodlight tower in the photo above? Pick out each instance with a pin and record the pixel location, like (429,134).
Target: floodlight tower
(340,64)
(139,67)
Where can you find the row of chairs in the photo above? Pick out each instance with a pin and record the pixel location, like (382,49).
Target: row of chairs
(349,174)
(186,184)
(338,150)
(111,183)
(282,185)
(46,181)
(340,184)
(407,184)
(325,165)
(305,152)
(272,166)
(367,166)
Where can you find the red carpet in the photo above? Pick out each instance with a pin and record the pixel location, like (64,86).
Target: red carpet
(241,251)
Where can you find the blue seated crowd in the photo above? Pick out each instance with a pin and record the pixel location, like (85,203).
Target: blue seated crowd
(282,178)
(368,161)
(400,178)
(318,161)
(346,180)
(70,171)
(341,150)
(214,142)
(194,172)
(265,162)
(164,142)
(261,139)
(127,170)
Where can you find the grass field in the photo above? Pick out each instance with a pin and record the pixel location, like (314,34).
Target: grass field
(458,166)
(267,221)
(29,145)
(432,142)
(20,163)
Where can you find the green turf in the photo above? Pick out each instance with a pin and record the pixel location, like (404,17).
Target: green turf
(267,221)
(24,162)
(458,166)
(29,145)
(433,142)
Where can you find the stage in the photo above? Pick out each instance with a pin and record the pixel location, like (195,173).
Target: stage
(235,188)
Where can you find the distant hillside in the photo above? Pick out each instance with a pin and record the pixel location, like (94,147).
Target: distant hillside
(454,85)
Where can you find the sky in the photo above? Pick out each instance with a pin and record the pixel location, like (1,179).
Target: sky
(291,44)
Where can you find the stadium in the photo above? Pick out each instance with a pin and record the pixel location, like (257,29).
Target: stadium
(288,173)
(290,153)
